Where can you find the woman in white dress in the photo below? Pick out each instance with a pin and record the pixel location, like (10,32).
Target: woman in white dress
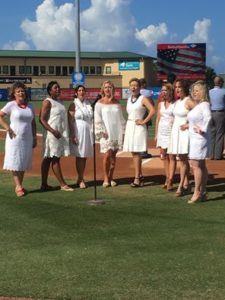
(135,140)
(109,130)
(198,121)
(21,135)
(80,116)
(53,117)
(164,122)
(179,139)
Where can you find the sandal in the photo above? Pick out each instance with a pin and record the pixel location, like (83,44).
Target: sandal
(194,200)
(82,185)
(137,185)
(105,184)
(169,185)
(20,192)
(179,192)
(66,188)
(113,183)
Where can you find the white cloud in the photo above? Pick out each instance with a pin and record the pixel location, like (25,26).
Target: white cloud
(19,45)
(151,35)
(201,32)
(107,26)
(53,28)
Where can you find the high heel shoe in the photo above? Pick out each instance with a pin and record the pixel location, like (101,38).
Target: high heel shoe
(195,199)
(139,184)
(82,185)
(179,192)
(169,185)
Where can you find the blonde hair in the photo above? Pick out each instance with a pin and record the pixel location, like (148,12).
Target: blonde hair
(204,89)
(103,85)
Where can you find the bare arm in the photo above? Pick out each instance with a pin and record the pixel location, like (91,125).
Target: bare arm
(6,126)
(71,120)
(151,111)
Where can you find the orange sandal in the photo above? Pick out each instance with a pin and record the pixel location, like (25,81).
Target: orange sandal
(20,192)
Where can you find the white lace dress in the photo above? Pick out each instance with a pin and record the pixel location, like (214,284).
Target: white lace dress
(57,120)
(135,139)
(179,139)
(18,150)
(83,129)
(109,120)
(165,125)
(199,117)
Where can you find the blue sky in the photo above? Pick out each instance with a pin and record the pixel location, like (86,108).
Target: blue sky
(115,25)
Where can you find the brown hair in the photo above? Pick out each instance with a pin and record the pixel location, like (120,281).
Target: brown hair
(18,85)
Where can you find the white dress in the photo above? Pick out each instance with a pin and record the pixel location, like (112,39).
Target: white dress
(179,139)
(83,129)
(135,139)
(165,125)
(57,120)
(109,120)
(18,150)
(199,116)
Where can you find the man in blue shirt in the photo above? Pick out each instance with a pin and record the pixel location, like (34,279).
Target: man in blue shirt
(217,123)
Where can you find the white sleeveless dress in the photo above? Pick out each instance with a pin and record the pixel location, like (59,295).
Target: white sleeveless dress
(199,116)
(18,150)
(83,129)
(57,120)
(165,125)
(179,139)
(135,139)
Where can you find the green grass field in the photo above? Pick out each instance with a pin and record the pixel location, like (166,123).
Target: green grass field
(142,244)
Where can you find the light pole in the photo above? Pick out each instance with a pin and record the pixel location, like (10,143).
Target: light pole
(77,35)
(95,201)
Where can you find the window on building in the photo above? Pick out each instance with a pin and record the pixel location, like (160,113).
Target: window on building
(64,71)
(51,70)
(71,69)
(92,70)
(28,70)
(57,70)
(21,70)
(98,70)
(108,70)
(86,70)
(81,69)
(5,69)
(36,70)
(12,70)
(42,70)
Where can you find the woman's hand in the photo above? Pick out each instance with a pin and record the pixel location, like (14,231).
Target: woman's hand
(139,122)
(184,127)
(198,130)
(105,135)
(57,134)
(75,140)
(11,133)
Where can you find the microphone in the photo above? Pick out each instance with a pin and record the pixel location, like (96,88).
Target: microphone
(98,97)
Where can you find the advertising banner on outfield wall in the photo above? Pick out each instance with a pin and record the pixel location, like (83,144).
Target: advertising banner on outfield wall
(3,94)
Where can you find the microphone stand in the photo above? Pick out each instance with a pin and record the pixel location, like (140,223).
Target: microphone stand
(95,201)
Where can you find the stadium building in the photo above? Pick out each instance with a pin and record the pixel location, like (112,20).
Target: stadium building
(37,68)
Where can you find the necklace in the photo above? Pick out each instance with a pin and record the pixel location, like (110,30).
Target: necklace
(134,99)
